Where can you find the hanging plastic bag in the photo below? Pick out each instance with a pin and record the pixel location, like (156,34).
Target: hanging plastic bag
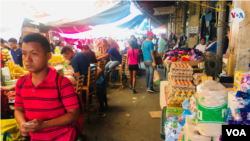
(9,127)
(156,78)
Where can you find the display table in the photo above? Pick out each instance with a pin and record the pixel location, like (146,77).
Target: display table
(163,94)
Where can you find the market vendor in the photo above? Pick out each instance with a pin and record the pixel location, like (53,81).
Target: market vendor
(202,45)
(16,52)
(79,62)
(115,57)
(37,101)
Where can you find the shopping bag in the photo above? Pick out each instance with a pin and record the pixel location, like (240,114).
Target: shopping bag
(156,78)
(158,59)
(9,128)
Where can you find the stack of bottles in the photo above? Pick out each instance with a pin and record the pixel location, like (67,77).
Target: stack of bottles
(180,77)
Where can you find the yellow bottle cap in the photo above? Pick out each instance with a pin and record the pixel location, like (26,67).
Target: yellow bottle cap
(176,98)
(186,98)
(176,92)
(181,98)
(183,93)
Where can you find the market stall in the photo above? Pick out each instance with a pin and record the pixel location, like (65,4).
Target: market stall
(194,107)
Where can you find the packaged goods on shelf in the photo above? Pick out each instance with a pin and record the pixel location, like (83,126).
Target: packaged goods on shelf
(237,79)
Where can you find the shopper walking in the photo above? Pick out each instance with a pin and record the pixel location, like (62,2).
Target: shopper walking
(133,56)
(37,101)
(149,60)
(16,52)
(132,38)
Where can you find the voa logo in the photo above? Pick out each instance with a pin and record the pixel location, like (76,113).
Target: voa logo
(236,132)
(237,15)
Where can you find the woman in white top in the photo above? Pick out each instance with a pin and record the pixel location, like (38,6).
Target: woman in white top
(202,46)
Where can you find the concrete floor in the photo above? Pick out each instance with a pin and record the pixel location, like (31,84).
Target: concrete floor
(126,119)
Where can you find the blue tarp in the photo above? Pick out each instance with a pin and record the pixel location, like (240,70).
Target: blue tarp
(114,14)
(135,22)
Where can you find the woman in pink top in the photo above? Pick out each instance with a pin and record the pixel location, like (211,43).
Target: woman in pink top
(133,55)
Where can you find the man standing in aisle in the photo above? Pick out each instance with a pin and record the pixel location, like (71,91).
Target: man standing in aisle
(39,110)
(115,57)
(16,52)
(5,53)
(149,60)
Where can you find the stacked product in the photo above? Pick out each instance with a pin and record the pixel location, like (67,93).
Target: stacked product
(210,107)
(180,78)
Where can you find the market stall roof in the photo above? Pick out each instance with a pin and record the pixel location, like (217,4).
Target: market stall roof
(148,8)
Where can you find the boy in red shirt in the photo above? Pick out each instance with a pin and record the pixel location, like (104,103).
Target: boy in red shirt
(37,100)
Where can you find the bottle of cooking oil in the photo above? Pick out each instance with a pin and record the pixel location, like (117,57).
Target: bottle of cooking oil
(171,102)
(171,95)
(189,95)
(177,94)
(176,102)
(180,102)
(183,95)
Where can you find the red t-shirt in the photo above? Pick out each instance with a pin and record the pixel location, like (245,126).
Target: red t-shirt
(42,102)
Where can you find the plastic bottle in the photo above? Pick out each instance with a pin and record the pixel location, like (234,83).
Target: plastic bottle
(186,97)
(180,102)
(177,94)
(171,95)
(183,95)
(171,103)
(176,102)
(189,95)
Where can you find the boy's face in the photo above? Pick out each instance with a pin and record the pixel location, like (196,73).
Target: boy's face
(202,41)
(12,45)
(34,57)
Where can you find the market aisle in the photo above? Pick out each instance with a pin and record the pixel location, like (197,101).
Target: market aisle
(126,119)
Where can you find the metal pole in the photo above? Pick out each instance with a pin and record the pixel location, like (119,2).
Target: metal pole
(175,21)
(171,21)
(184,17)
(221,35)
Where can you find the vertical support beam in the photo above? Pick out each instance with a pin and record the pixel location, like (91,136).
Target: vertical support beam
(184,17)
(221,35)
(171,23)
(193,21)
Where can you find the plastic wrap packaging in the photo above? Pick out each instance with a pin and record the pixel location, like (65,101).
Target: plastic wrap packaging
(211,108)
(191,134)
(197,76)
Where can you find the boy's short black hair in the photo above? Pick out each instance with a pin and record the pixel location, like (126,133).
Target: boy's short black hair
(2,40)
(203,38)
(13,40)
(66,50)
(38,38)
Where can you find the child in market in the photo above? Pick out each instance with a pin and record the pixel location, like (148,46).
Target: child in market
(133,57)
